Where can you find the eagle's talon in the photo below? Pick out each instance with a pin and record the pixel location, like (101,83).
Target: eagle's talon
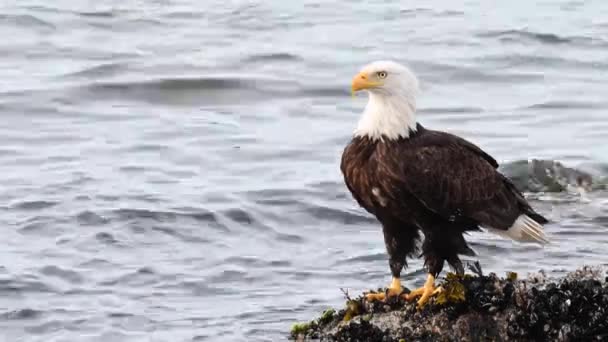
(370,297)
(415,293)
(394,290)
(426,296)
(426,292)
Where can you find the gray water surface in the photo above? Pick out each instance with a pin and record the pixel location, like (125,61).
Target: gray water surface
(170,168)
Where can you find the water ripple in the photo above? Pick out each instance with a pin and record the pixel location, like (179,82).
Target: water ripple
(566,105)
(98,71)
(26,21)
(90,218)
(20,314)
(273,57)
(523,35)
(34,205)
(140,277)
(67,275)
(22,286)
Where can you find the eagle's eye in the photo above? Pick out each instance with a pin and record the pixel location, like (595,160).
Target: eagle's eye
(382,74)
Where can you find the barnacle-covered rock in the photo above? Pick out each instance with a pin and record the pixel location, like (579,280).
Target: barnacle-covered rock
(478,307)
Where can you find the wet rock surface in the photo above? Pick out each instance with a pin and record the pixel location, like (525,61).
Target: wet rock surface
(478,308)
(541,175)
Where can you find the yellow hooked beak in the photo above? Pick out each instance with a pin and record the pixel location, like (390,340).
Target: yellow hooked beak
(361,81)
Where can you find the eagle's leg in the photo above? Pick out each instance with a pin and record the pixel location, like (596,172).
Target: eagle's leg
(397,248)
(399,240)
(434,264)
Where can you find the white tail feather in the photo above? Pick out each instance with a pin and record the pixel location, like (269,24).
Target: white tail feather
(524,229)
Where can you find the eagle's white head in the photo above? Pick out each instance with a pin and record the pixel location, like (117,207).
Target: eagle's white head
(390,111)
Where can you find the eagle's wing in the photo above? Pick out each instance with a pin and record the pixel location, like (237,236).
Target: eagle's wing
(455,179)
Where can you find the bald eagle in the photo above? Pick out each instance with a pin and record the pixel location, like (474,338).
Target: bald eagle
(418,181)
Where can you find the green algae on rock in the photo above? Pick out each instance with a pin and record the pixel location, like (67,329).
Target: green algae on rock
(479,307)
(301,330)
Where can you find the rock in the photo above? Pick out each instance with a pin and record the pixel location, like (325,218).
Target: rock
(541,175)
(476,308)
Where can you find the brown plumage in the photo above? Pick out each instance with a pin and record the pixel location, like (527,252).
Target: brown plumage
(433,183)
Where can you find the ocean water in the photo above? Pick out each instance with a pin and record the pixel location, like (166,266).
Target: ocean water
(170,168)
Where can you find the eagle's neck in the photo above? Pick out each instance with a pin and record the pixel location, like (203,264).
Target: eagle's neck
(387,116)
